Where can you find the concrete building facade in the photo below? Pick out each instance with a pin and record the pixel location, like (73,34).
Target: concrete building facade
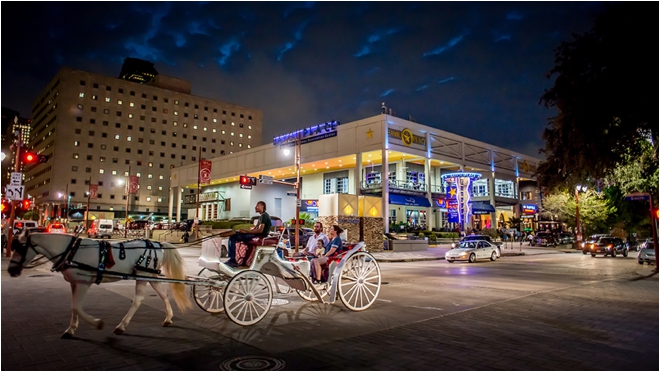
(399,161)
(97,128)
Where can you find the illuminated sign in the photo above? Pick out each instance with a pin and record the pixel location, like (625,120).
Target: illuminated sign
(440,203)
(528,209)
(406,136)
(310,134)
(309,205)
(449,177)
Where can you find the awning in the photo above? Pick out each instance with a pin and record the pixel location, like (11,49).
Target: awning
(482,208)
(413,201)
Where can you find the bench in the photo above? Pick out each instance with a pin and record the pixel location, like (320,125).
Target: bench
(334,258)
(245,252)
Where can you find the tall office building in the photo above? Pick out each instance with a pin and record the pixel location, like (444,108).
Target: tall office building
(11,123)
(97,128)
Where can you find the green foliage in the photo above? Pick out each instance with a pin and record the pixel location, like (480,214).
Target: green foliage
(595,209)
(245,226)
(31,215)
(515,222)
(604,112)
(421,235)
(309,221)
(446,235)
(432,237)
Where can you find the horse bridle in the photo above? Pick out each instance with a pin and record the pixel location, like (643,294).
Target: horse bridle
(22,248)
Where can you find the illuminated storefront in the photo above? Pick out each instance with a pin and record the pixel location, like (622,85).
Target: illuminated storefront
(406,165)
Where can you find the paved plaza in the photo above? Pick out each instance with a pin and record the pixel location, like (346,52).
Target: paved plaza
(543,311)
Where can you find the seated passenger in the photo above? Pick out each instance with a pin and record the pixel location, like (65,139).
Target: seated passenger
(310,248)
(333,246)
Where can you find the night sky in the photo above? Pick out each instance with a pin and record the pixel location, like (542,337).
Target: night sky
(474,69)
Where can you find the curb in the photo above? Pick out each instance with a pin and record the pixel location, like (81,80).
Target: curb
(510,254)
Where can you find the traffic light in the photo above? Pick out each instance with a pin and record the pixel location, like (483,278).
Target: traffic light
(25,204)
(29,158)
(300,222)
(5,206)
(248,181)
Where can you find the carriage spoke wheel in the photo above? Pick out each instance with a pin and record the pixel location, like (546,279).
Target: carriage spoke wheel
(209,298)
(359,282)
(248,297)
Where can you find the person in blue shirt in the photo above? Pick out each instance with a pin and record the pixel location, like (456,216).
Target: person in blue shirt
(333,246)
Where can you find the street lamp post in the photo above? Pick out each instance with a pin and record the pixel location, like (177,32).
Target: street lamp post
(578,229)
(17,168)
(296,185)
(126,193)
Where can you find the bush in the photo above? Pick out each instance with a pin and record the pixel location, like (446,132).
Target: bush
(432,237)
(421,235)
(448,235)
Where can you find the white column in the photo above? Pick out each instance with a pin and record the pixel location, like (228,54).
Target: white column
(178,203)
(491,186)
(429,210)
(170,205)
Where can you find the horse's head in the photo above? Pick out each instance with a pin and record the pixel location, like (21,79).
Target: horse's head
(26,246)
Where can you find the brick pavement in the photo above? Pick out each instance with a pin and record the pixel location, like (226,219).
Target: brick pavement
(608,324)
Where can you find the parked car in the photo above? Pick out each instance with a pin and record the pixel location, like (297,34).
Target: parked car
(646,253)
(472,251)
(474,238)
(18,226)
(565,238)
(590,240)
(544,239)
(100,229)
(56,228)
(608,245)
(289,233)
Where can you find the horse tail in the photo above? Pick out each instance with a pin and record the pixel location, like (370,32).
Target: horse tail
(173,265)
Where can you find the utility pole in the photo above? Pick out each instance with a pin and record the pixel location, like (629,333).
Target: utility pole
(199,171)
(17,168)
(298,148)
(89,194)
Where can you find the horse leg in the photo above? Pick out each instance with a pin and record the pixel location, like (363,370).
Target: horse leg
(162,292)
(79,294)
(73,325)
(140,286)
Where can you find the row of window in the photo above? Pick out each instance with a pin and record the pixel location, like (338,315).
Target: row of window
(162,143)
(153,130)
(123,197)
(112,184)
(155,98)
(153,120)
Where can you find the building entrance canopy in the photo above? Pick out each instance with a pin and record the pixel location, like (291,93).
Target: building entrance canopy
(412,201)
(482,208)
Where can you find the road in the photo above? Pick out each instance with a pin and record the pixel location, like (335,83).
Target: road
(550,311)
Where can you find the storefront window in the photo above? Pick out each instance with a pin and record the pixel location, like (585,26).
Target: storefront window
(504,188)
(480,188)
(335,185)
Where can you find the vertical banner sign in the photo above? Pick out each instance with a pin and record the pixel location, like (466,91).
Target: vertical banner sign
(204,172)
(452,211)
(133,182)
(93,191)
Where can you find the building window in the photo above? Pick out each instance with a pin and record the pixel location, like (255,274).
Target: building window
(148,187)
(114,172)
(160,188)
(82,82)
(160,176)
(101,171)
(117,136)
(150,175)
(107,99)
(90,157)
(74,168)
(120,102)
(480,188)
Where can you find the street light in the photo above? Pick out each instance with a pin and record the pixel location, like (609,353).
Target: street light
(578,230)
(127,198)
(297,185)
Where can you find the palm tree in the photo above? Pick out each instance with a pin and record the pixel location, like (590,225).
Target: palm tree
(515,222)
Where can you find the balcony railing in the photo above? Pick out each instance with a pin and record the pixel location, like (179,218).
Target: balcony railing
(415,186)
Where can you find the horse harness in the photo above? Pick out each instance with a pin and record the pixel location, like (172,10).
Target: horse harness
(106,259)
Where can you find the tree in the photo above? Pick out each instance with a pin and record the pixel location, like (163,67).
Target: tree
(515,222)
(594,209)
(602,91)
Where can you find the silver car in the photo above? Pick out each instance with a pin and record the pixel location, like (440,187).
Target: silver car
(472,251)
(646,253)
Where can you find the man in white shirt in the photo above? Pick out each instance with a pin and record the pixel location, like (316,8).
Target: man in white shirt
(310,248)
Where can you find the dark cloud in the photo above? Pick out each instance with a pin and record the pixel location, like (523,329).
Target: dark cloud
(475,69)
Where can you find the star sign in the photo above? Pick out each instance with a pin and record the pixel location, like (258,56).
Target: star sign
(452,192)
(370,133)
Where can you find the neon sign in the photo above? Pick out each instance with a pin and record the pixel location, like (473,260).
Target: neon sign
(529,209)
(309,134)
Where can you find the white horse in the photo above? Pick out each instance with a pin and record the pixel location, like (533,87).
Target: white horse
(57,248)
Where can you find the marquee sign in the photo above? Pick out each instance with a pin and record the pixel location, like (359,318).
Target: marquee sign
(406,136)
(309,134)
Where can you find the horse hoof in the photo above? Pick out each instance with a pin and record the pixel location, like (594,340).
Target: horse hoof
(167,323)
(99,324)
(67,336)
(118,331)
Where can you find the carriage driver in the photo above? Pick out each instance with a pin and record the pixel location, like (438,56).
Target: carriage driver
(261,229)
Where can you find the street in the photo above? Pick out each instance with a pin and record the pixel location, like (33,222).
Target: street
(561,311)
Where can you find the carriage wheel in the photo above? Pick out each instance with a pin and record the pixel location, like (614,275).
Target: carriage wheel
(248,297)
(308,295)
(209,298)
(359,282)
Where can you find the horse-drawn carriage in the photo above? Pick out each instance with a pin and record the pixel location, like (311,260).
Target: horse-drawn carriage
(244,294)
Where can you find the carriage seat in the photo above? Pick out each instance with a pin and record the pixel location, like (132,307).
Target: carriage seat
(325,268)
(245,252)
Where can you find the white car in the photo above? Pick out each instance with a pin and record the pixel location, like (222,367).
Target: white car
(472,251)
(646,253)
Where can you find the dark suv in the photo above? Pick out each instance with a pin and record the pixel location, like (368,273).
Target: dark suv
(586,244)
(608,245)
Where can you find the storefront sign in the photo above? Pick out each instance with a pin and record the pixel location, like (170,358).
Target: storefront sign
(406,136)
(528,209)
(451,177)
(528,168)
(452,211)
(208,196)
(309,205)
(310,134)
(348,220)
